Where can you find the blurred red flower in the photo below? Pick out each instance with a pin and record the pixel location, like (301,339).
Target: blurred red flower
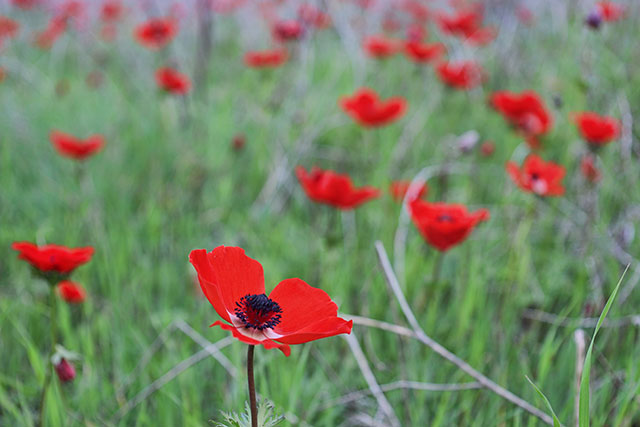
(8,27)
(380,46)
(482,36)
(537,176)
(461,75)
(331,188)
(313,16)
(111,11)
(525,111)
(442,225)
(589,169)
(398,190)
(287,30)
(108,32)
(293,313)
(595,129)
(463,23)
(610,11)
(172,81)
(76,148)
(46,38)
(266,58)
(53,258)
(156,33)
(417,10)
(416,33)
(365,107)
(65,370)
(25,4)
(424,52)
(71,292)
(487,148)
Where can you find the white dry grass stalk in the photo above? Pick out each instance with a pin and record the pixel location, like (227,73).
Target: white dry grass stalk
(580,340)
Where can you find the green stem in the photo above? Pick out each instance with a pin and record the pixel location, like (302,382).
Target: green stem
(252,387)
(54,338)
(437,267)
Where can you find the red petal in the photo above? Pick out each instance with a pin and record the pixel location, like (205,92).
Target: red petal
(322,329)
(267,343)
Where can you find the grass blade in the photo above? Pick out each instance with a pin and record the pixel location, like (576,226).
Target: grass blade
(556,421)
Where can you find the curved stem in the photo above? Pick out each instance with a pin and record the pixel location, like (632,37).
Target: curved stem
(252,388)
(54,338)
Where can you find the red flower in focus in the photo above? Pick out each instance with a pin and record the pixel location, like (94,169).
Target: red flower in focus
(53,258)
(25,4)
(589,169)
(65,370)
(537,176)
(460,75)
(76,148)
(172,81)
(313,16)
(331,188)
(597,130)
(443,226)
(266,58)
(293,313)
(71,292)
(365,107)
(156,33)
(526,111)
(424,52)
(111,11)
(380,46)
(287,30)
(610,11)
(8,27)
(398,190)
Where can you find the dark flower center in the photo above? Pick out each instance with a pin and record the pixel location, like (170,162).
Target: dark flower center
(535,176)
(258,312)
(445,218)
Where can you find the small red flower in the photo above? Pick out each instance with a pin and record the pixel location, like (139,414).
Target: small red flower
(71,292)
(287,30)
(76,148)
(595,129)
(398,190)
(266,58)
(380,46)
(46,38)
(537,176)
(424,52)
(610,11)
(111,11)
(65,370)
(156,33)
(365,107)
(460,75)
(462,24)
(313,16)
(53,258)
(589,169)
(172,81)
(25,4)
(8,27)
(238,142)
(525,111)
(293,313)
(331,188)
(487,148)
(443,226)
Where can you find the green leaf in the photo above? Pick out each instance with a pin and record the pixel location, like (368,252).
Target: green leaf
(556,421)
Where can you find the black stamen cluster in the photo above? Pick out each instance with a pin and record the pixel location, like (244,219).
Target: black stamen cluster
(258,311)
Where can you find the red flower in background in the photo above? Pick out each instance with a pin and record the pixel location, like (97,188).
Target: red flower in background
(460,75)
(462,23)
(610,11)
(537,176)
(172,81)
(156,33)
(398,190)
(71,292)
(525,111)
(46,38)
(314,17)
(482,36)
(3,74)
(442,225)
(365,107)
(111,11)
(331,188)
(25,4)
(53,258)
(424,52)
(293,313)
(380,46)
(266,58)
(416,33)
(65,371)
(417,10)
(487,148)
(8,27)
(287,30)
(589,169)
(76,148)
(595,129)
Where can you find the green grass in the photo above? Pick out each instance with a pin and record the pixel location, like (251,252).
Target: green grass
(168,182)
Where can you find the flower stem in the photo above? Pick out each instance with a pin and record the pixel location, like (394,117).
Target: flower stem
(252,388)
(48,364)
(437,267)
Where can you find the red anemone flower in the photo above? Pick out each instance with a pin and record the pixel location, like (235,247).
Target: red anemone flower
(156,33)
(111,11)
(597,130)
(380,46)
(366,108)
(461,24)
(287,30)
(313,16)
(65,371)
(53,258)
(460,75)
(76,148)
(266,58)
(537,176)
(8,27)
(293,313)
(424,52)
(331,188)
(442,225)
(71,292)
(610,11)
(172,81)
(589,169)
(482,36)
(398,190)
(526,111)
(25,4)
